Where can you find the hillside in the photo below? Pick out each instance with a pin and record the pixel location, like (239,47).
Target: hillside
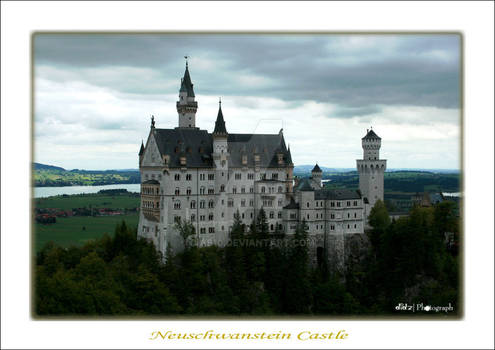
(48,175)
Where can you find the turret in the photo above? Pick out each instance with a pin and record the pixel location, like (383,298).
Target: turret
(220,151)
(371,170)
(316,176)
(141,152)
(186,106)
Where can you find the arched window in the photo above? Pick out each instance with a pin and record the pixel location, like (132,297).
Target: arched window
(193,204)
(280,189)
(262,189)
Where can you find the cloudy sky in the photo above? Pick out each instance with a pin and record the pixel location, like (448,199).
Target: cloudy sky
(95,94)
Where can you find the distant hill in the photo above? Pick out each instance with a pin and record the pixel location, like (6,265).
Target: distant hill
(39,166)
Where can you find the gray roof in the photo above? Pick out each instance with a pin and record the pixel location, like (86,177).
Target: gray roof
(189,142)
(292,204)
(196,144)
(371,135)
(220,123)
(304,185)
(141,150)
(316,169)
(337,194)
(267,146)
(186,84)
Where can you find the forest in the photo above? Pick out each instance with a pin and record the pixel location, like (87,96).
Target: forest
(409,261)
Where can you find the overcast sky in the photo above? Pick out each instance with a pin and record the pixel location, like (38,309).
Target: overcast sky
(95,94)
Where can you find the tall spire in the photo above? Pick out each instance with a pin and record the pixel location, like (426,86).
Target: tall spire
(220,122)
(141,150)
(186,83)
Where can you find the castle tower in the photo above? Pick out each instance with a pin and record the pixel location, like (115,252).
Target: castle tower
(371,169)
(316,177)
(186,106)
(220,151)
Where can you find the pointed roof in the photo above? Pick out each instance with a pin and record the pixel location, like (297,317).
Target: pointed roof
(220,122)
(141,150)
(292,204)
(316,169)
(289,156)
(304,185)
(371,135)
(186,84)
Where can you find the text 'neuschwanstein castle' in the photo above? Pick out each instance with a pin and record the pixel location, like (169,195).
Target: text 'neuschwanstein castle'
(206,178)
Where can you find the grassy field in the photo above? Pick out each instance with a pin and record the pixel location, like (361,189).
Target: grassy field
(87,200)
(69,231)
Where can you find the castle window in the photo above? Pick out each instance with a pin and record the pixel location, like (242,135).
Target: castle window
(332,216)
(251,202)
(280,189)
(338,204)
(307,204)
(177,177)
(348,203)
(242,215)
(348,215)
(243,203)
(210,217)
(279,202)
(262,189)
(202,190)
(308,216)
(202,204)
(193,204)
(238,176)
(222,216)
(244,160)
(193,217)
(211,190)
(211,176)
(230,203)
(271,227)
(354,225)
(355,215)
(250,176)
(272,215)
(188,191)
(211,204)
(256,157)
(251,189)
(355,203)
(177,191)
(201,176)
(177,205)
(234,189)
(176,219)
(243,189)
(251,215)
(316,203)
(222,188)
(202,218)
(211,230)
(188,177)
(279,215)
(262,176)
(332,227)
(292,215)
(332,204)
(202,230)
(275,176)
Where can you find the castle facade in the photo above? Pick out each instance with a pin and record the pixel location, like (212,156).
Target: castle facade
(189,174)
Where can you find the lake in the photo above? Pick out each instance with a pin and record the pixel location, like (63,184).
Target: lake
(41,192)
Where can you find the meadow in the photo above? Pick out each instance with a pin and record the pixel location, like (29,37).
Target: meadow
(77,230)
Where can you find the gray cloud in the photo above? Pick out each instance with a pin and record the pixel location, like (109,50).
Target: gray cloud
(418,70)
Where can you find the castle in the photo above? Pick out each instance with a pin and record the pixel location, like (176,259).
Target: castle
(206,178)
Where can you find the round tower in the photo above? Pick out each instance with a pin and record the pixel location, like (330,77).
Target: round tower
(316,177)
(371,170)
